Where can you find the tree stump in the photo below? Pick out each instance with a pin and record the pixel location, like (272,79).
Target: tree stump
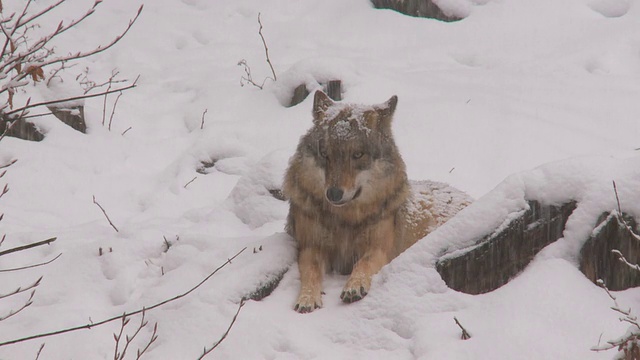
(299,94)
(333,89)
(416,8)
(597,261)
(72,116)
(21,130)
(500,256)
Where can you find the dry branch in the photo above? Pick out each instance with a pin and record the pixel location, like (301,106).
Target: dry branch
(31,266)
(28,246)
(465,334)
(202,121)
(248,79)
(115,318)
(129,339)
(224,336)
(190,181)
(21,289)
(113,110)
(105,214)
(24,306)
(75,98)
(8,164)
(39,351)
(266,49)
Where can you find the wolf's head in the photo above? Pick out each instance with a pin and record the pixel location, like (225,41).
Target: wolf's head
(353,152)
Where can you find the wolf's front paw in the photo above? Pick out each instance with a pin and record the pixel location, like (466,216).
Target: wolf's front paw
(355,289)
(307,303)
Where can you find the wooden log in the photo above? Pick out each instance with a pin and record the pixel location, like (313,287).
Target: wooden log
(299,94)
(416,8)
(334,90)
(72,116)
(499,257)
(597,261)
(22,129)
(266,288)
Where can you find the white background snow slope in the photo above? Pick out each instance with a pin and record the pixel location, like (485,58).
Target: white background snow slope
(516,85)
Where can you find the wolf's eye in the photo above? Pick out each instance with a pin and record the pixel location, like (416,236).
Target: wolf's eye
(357,155)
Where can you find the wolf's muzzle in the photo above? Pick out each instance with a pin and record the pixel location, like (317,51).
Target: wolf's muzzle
(334,195)
(337,197)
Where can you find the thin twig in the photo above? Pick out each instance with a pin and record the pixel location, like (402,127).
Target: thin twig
(102,322)
(615,190)
(248,79)
(28,246)
(113,110)
(82,97)
(621,220)
(24,306)
(39,351)
(31,266)
(123,324)
(266,49)
(154,337)
(104,101)
(21,289)
(207,351)
(129,338)
(8,164)
(465,334)
(202,122)
(190,181)
(105,214)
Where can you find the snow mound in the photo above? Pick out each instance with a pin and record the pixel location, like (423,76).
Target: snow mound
(313,73)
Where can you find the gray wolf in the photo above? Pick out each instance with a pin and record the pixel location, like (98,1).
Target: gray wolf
(351,207)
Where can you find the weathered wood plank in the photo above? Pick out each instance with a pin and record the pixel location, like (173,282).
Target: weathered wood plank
(597,260)
(22,129)
(73,117)
(499,257)
(416,8)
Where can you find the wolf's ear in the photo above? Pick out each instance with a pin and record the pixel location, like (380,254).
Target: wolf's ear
(321,102)
(389,107)
(385,114)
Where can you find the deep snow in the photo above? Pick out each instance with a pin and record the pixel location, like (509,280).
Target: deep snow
(520,100)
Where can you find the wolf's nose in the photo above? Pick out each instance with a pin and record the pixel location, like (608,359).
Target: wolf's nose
(334,194)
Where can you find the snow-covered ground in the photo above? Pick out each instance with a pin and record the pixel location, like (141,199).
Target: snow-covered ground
(522,99)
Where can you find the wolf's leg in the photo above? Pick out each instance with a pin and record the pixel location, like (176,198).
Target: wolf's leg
(311,265)
(376,253)
(359,282)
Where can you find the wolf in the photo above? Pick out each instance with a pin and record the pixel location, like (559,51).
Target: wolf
(351,207)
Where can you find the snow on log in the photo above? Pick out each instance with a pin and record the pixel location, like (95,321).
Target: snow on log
(417,8)
(500,256)
(72,116)
(598,259)
(21,129)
